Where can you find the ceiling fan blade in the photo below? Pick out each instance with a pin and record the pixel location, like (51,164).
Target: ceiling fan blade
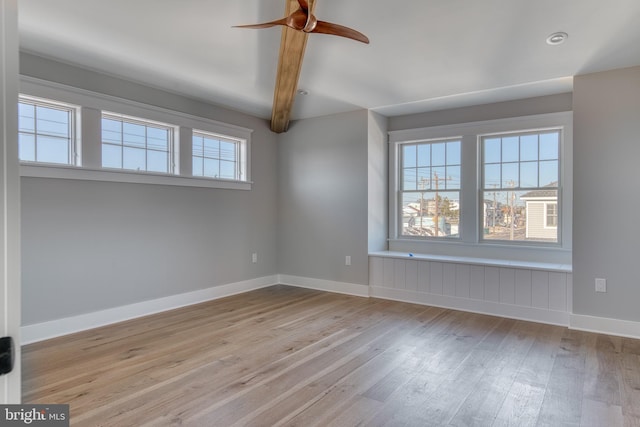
(304,4)
(339,30)
(282,21)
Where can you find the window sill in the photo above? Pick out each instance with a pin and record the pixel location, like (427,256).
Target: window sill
(107,175)
(546,266)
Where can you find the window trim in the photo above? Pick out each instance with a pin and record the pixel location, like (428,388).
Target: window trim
(74,155)
(482,189)
(469,244)
(546,215)
(241,148)
(402,191)
(173,153)
(89,168)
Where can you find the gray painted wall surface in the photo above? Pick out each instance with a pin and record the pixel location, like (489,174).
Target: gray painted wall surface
(88,246)
(322,182)
(606,228)
(499,110)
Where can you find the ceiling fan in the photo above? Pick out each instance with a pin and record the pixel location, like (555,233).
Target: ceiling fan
(297,25)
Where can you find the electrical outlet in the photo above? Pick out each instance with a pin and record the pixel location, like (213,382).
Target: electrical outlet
(347,260)
(601,285)
(254,257)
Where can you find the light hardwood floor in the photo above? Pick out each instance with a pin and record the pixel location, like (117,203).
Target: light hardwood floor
(285,356)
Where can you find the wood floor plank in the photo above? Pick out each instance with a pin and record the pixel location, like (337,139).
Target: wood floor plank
(285,356)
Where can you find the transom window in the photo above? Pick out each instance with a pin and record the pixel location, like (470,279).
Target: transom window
(430,189)
(137,144)
(520,182)
(215,156)
(46,131)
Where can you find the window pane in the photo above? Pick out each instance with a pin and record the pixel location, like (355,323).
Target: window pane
(52,150)
(549,143)
(528,147)
(134,159)
(453,152)
(197,145)
(438,153)
(157,161)
(45,131)
(197,166)
(157,139)
(409,155)
(111,131)
(227,151)
(52,121)
(424,155)
(492,150)
(453,177)
(227,170)
(211,148)
(133,135)
(409,179)
(423,178)
(111,156)
(510,149)
(26,118)
(549,173)
(143,146)
(529,161)
(419,217)
(211,168)
(27,147)
(492,176)
(529,174)
(510,175)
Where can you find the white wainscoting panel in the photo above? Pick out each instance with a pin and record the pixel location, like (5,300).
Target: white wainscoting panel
(526,292)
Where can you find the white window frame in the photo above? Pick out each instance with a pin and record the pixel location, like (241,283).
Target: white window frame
(482,189)
(546,214)
(173,135)
(401,190)
(240,153)
(470,244)
(74,155)
(90,163)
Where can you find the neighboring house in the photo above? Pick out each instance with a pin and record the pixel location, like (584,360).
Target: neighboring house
(542,213)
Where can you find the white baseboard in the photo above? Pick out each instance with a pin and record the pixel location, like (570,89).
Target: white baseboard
(475,306)
(325,285)
(604,325)
(55,328)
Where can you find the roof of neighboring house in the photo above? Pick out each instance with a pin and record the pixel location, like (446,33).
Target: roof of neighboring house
(547,193)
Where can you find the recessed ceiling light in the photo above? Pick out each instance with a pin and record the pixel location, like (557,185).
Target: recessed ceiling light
(557,38)
(302,92)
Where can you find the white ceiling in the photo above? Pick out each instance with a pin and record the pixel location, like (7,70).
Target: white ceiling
(424,54)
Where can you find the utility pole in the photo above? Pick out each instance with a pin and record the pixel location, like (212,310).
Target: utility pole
(423,183)
(436,181)
(511,208)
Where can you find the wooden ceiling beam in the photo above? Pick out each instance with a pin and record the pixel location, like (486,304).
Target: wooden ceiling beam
(292,47)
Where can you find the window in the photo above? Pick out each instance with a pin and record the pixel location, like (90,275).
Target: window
(126,141)
(551,215)
(504,189)
(430,189)
(520,182)
(215,156)
(46,132)
(137,144)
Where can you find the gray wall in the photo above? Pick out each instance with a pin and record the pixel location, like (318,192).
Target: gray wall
(88,245)
(322,182)
(499,110)
(606,229)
